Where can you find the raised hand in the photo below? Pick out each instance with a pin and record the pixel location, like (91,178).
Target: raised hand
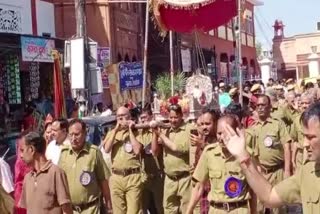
(235,141)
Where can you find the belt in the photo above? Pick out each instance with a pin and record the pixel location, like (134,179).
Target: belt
(271,169)
(178,177)
(155,175)
(126,172)
(228,206)
(80,207)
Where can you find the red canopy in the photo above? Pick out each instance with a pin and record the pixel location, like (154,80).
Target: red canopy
(195,14)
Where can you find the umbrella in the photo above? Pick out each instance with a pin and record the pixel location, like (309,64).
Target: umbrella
(59,101)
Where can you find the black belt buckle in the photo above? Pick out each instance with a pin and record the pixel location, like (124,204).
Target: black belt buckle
(226,207)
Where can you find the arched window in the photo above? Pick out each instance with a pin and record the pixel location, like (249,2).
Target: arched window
(134,59)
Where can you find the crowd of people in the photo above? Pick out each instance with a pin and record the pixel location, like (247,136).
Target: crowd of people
(251,158)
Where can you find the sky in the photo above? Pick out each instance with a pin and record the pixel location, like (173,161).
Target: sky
(298,16)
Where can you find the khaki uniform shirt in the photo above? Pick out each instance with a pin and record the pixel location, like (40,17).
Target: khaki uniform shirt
(120,158)
(303,186)
(270,136)
(297,133)
(45,191)
(177,162)
(78,166)
(152,165)
(216,167)
(281,113)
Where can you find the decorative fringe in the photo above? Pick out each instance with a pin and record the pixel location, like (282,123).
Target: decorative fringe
(190,6)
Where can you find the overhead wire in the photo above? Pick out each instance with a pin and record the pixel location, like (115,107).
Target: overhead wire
(263,32)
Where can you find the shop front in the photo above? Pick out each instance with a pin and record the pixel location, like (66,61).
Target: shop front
(26,82)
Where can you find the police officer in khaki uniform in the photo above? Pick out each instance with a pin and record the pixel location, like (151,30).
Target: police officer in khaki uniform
(175,146)
(153,166)
(230,192)
(126,182)
(279,111)
(303,186)
(297,132)
(273,144)
(86,171)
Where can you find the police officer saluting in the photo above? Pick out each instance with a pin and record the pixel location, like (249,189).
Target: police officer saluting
(86,171)
(126,182)
(303,186)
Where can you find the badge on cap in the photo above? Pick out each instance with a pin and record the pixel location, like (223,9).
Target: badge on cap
(268,141)
(147,149)
(85,178)
(233,187)
(128,147)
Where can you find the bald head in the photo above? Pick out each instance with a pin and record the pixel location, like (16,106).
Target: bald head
(123,114)
(122,110)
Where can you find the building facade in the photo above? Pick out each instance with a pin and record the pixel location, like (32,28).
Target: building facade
(27,38)
(118,26)
(292,55)
(214,49)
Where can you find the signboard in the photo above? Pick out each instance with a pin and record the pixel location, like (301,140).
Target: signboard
(37,49)
(103,56)
(130,75)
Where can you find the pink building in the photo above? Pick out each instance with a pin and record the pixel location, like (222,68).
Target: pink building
(295,56)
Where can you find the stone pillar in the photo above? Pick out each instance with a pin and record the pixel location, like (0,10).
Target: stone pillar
(266,68)
(314,70)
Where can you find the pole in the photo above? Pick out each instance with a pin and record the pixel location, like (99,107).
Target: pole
(79,18)
(239,43)
(82,97)
(171,61)
(145,53)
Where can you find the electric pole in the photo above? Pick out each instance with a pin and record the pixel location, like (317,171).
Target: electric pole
(83,96)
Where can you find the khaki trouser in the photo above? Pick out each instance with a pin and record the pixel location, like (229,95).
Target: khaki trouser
(176,195)
(126,193)
(273,178)
(153,195)
(95,209)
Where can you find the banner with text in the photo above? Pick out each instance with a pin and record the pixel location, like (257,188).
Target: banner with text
(103,56)
(37,49)
(131,75)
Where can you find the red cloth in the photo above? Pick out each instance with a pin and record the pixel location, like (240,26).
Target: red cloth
(20,169)
(29,122)
(206,17)
(248,121)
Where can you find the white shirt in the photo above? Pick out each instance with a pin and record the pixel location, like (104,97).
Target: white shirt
(53,150)
(6,179)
